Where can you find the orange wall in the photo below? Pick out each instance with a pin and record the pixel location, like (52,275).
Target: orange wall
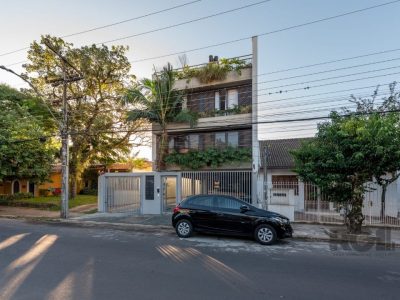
(55,183)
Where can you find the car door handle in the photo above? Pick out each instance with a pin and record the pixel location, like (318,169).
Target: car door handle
(220,214)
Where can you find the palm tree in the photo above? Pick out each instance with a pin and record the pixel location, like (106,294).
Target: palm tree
(157,102)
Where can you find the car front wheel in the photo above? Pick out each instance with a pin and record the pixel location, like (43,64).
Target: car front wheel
(265,234)
(184,228)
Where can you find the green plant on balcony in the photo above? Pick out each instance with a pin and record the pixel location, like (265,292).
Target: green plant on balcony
(156,101)
(213,71)
(211,157)
(237,109)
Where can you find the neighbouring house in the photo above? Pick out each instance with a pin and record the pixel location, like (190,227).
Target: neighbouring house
(53,185)
(287,194)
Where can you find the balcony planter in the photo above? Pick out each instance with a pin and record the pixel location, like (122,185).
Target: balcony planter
(210,158)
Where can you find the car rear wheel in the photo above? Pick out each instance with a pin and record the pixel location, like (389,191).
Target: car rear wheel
(265,234)
(184,228)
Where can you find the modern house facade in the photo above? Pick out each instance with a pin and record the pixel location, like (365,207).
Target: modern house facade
(215,155)
(223,128)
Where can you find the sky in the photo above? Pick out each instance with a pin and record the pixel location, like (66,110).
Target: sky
(358,34)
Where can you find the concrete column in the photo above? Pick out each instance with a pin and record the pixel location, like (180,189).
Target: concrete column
(256,189)
(301,202)
(153,149)
(101,194)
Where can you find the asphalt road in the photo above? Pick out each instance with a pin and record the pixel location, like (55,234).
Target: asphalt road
(41,261)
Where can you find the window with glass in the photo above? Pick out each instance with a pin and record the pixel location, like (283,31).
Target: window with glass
(233,98)
(200,202)
(194,141)
(149,187)
(222,202)
(220,139)
(233,139)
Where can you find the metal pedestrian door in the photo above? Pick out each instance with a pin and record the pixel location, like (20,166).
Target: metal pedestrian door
(169,192)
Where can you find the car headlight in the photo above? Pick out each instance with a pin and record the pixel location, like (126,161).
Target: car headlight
(281,220)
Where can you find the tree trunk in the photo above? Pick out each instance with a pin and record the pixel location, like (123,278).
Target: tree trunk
(354,216)
(73,179)
(162,149)
(383,201)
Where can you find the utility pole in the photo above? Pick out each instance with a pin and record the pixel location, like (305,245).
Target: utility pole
(64,151)
(64,129)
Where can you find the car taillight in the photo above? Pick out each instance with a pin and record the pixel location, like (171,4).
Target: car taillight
(177,209)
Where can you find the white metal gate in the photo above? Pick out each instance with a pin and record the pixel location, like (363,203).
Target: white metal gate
(234,183)
(122,194)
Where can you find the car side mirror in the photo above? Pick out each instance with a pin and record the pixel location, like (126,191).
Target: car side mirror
(244,208)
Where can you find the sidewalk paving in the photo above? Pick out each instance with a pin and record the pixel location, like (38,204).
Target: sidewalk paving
(305,231)
(25,212)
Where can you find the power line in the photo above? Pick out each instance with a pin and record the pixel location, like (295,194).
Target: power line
(230,127)
(315,101)
(293,98)
(320,94)
(263,108)
(330,62)
(250,123)
(297,97)
(305,88)
(248,37)
(269,32)
(131,19)
(185,23)
(110,25)
(331,70)
(328,84)
(329,78)
(308,87)
(280,30)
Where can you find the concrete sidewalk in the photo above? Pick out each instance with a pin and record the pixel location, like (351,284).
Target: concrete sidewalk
(32,213)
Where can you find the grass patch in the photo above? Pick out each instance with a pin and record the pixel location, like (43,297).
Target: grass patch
(51,202)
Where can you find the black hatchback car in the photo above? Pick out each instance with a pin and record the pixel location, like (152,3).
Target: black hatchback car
(228,215)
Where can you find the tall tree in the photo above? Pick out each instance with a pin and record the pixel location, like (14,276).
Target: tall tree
(381,137)
(335,161)
(353,149)
(34,105)
(24,150)
(156,101)
(97,113)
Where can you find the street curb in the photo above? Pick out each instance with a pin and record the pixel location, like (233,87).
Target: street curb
(122,226)
(394,227)
(157,228)
(169,229)
(14,217)
(358,241)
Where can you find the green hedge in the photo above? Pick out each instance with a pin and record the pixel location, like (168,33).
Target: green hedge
(16,196)
(211,157)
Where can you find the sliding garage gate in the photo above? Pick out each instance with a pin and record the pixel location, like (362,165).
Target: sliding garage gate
(233,183)
(122,194)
